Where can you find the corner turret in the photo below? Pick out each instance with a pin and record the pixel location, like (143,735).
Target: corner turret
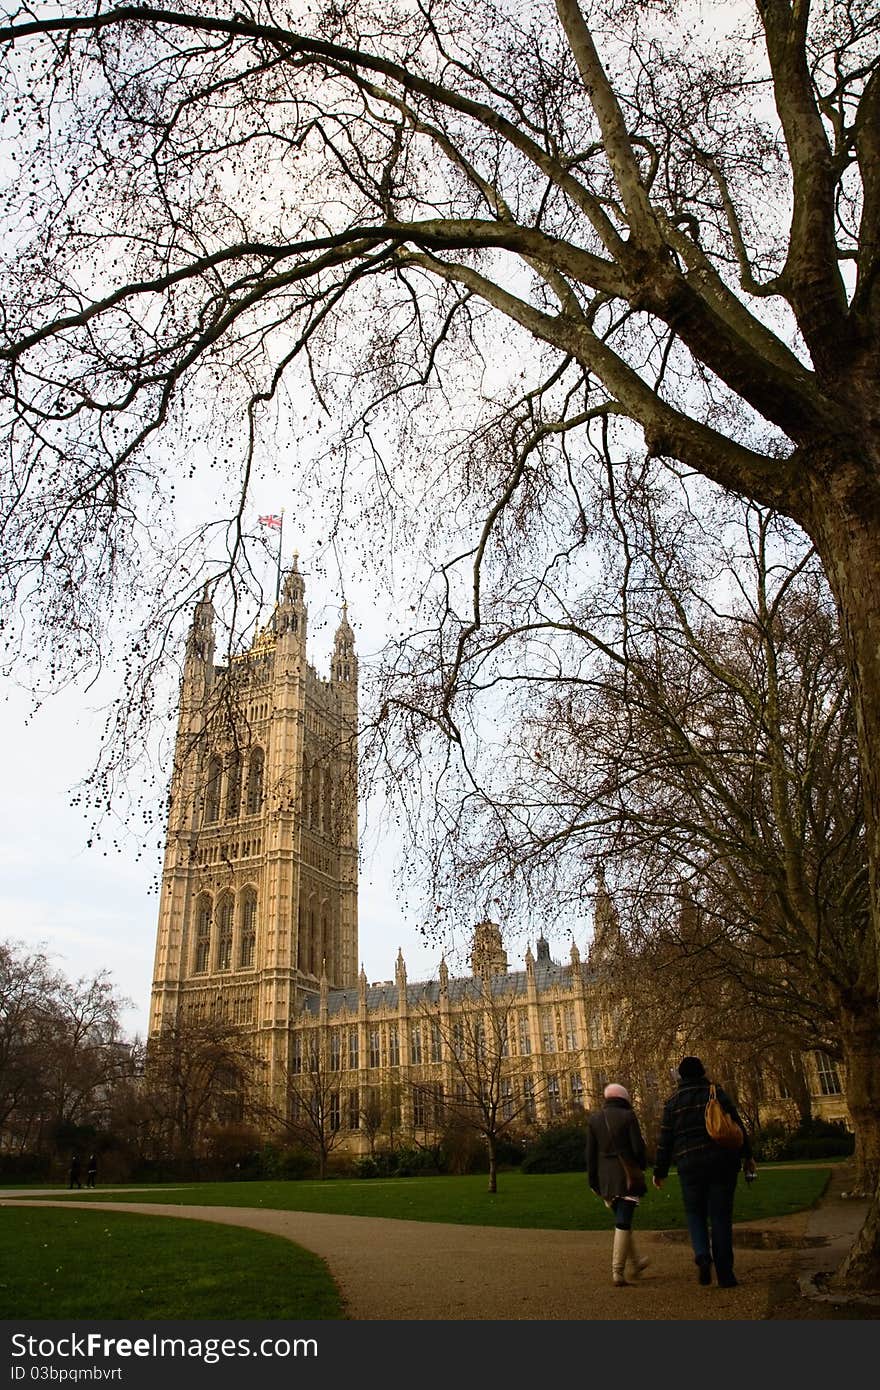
(200,641)
(344,665)
(291,614)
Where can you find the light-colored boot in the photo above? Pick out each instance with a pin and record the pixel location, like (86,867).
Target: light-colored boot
(637,1263)
(619,1253)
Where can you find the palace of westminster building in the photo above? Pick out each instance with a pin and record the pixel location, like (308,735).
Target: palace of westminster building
(258,918)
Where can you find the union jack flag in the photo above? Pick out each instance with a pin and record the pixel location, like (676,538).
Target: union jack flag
(270,521)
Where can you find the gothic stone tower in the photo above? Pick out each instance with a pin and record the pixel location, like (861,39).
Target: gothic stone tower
(259,887)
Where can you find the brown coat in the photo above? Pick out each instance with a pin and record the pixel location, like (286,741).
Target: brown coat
(611,1131)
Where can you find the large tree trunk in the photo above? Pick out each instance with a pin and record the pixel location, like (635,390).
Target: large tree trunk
(845,526)
(860,1038)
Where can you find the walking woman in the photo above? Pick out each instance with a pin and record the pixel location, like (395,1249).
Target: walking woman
(615,1170)
(707,1172)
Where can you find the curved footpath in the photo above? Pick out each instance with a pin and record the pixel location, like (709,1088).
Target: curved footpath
(391,1270)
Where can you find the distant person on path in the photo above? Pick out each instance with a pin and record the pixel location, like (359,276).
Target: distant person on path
(615,1170)
(91,1170)
(74,1176)
(707,1173)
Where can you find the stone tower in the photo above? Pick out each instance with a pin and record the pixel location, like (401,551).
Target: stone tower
(259,886)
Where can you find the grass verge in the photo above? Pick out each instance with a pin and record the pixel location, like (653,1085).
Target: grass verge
(83,1264)
(550,1201)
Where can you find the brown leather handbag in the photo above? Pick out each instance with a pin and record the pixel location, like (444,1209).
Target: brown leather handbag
(722,1128)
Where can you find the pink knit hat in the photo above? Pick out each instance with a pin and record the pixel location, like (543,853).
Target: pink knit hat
(615,1092)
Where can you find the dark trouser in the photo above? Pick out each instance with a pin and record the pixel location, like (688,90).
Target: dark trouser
(623,1213)
(708,1205)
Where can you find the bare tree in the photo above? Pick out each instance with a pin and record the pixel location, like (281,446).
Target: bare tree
(312,1113)
(197,1073)
(668,230)
(27,983)
(493,1089)
(372,1116)
(688,727)
(62,1054)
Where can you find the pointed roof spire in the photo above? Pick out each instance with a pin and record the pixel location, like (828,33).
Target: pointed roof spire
(344,664)
(200,641)
(291,611)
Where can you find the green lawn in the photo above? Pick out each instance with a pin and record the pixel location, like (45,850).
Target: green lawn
(76,1264)
(560,1201)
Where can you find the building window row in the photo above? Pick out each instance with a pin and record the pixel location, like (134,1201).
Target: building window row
(234,775)
(317,798)
(215,932)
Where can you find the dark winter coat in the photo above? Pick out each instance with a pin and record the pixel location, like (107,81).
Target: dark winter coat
(610,1131)
(683,1139)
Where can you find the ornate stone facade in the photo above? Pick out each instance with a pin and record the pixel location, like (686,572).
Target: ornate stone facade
(259,886)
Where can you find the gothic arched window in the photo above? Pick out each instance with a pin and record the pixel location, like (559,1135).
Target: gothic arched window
(203,934)
(327,805)
(255,782)
(225,917)
(306,792)
(212,790)
(315,799)
(248,947)
(233,786)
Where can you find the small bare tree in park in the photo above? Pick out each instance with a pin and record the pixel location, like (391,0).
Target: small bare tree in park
(198,1072)
(311,1112)
(482,1085)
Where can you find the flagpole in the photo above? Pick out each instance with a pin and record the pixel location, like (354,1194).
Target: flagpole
(278,569)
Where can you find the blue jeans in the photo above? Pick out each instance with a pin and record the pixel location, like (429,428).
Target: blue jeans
(708,1206)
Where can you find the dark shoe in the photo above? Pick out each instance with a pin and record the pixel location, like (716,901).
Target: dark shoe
(704,1269)
(727,1281)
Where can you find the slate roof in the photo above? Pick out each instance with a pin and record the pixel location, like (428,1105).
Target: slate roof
(548,974)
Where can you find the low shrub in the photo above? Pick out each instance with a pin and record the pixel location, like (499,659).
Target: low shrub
(812,1139)
(399,1163)
(25,1168)
(559,1149)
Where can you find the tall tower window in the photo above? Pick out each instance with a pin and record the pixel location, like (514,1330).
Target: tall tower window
(225,916)
(203,935)
(233,786)
(326,805)
(255,782)
(248,928)
(315,799)
(212,791)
